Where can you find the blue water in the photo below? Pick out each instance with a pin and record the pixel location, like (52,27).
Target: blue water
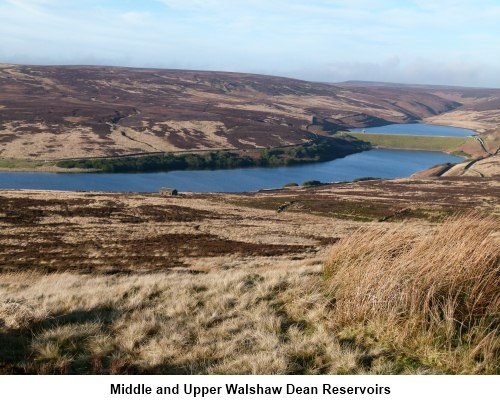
(416,129)
(373,163)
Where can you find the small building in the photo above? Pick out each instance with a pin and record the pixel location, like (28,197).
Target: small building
(168,191)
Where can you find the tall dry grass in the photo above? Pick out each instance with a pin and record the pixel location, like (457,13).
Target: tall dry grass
(436,294)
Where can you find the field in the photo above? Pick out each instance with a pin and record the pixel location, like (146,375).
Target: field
(16,164)
(431,143)
(267,282)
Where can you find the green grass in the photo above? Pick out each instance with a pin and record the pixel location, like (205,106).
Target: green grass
(431,143)
(462,154)
(18,164)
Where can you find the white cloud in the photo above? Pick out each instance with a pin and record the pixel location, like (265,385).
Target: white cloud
(419,40)
(418,71)
(136,17)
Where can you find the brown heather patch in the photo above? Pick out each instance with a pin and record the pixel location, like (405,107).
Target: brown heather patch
(89,232)
(384,200)
(121,234)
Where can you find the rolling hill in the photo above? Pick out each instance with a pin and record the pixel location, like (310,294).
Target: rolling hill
(56,112)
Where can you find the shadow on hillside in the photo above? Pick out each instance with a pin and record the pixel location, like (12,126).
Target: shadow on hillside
(17,355)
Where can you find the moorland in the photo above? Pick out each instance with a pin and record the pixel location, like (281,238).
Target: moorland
(50,114)
(369,277)
(268,282)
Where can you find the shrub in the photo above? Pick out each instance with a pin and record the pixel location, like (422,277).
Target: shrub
(365,179)
(311,183)
(319,150)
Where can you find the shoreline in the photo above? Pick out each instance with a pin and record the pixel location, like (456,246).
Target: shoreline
(190,182)
(320,149)
(55,169)
(252,158)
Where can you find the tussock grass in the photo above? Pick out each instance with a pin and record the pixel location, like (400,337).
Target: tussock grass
(435,295)
(205,323)
(390,299)
(17,315)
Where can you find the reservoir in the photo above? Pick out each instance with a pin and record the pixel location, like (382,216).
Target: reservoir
(416,129)
(383,163)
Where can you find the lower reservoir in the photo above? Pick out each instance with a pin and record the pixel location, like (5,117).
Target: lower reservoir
(381,163)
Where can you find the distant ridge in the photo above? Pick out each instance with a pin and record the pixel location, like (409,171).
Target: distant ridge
(56,112)
(393,84)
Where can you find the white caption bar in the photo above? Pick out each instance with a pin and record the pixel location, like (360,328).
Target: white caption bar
(55,390)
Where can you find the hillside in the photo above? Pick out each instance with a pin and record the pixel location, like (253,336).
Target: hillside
(267,283)
(54,112)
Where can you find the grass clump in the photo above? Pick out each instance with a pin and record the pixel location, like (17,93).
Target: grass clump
(435,296)
(17,315)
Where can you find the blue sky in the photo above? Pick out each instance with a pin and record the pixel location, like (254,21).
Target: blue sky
(453,42)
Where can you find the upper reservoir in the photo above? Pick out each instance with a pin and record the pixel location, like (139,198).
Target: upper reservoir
(416,129)
(382,163)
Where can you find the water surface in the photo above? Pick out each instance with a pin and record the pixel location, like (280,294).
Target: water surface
(416,129)
(381,163)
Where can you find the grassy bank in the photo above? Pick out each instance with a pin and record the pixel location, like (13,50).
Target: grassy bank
(321,149)
(434,297)
(430,143)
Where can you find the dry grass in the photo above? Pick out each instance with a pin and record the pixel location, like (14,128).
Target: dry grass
(220,322)
(435,295)
(394,301)
(15,315)
(220,288)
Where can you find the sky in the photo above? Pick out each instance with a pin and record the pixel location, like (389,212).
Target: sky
(448,42)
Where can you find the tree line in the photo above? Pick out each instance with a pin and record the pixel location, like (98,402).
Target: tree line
(322,149)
